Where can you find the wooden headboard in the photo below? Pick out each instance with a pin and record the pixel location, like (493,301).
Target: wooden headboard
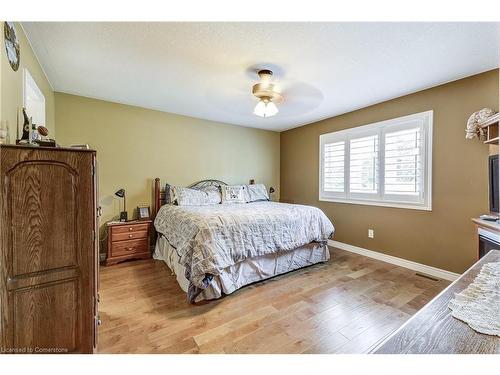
(160,197)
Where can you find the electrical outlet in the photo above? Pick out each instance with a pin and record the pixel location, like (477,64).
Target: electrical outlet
(371,233)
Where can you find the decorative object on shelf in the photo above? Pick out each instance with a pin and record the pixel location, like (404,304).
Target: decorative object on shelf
(26,127)
(143,212)
(42,130)
(12,45)
(4,132)
(123,214)
(82,147)
(477,305)
(30,135)
(44,142)
(473,129)
(35,136)
(267,94)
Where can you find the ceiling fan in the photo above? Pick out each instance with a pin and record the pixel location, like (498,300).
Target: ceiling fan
(260,92)
(267,94)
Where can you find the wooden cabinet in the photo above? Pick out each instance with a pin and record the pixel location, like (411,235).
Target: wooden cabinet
(48,250)
(129,240)
(487,236)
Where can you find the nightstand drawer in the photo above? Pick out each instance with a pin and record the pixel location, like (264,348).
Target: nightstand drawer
(128,235)
(129,247)
(130,228)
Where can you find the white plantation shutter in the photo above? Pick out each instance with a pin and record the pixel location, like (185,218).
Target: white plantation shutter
(388,163)
(333,167)
(363,165)
(403,162)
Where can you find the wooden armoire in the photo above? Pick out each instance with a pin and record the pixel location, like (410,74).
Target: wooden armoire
(48,250)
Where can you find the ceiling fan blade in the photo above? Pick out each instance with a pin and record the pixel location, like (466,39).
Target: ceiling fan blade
(299,98)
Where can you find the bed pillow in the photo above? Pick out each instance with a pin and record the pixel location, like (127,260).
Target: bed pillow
(213,193)
(169,194)
(233,194)
(256,193)
(194,197)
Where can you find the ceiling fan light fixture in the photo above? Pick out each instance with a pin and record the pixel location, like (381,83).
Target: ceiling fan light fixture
(265,108)
(266,93)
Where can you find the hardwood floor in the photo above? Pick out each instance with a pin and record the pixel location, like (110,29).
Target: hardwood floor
(344,306)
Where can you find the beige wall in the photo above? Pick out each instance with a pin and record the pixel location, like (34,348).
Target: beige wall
(11,84)
(134,145)
(443,238)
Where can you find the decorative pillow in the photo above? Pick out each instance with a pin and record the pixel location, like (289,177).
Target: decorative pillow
(233,194)
(256,193)
(169,194)
(193,197)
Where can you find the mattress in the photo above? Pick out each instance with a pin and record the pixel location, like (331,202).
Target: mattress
(245,272)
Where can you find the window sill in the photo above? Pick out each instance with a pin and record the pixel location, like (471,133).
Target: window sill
(403,205)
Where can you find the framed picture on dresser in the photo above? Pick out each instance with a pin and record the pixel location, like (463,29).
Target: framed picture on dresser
(143,213)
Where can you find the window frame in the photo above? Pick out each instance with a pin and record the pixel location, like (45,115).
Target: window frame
(423,202)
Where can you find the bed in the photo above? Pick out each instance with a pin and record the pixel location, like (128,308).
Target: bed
(214,250)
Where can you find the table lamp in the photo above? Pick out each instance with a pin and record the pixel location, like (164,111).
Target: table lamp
(123,215)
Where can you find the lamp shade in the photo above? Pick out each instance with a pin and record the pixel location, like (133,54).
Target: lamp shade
(120,193)
(265,108)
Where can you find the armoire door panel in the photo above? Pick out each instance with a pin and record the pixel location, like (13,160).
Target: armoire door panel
(45,277)
(43,216)
(48,249)
(47,308)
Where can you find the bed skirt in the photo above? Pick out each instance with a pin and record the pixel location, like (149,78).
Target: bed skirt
(246,272)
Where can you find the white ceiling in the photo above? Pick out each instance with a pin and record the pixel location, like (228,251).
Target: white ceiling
(206,70)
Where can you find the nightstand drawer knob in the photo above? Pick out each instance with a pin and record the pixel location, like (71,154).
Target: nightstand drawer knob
(130,235)
(129,248)
(130,229)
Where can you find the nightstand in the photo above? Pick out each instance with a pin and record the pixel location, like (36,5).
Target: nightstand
(128,240)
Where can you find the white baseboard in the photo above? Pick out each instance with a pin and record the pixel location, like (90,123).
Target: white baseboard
(422,268)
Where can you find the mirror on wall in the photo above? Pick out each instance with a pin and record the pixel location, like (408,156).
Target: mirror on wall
(33,99)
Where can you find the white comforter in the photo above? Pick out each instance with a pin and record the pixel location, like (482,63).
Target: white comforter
(210,238)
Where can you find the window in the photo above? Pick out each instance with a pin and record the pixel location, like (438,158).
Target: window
(34,101)
(387,163)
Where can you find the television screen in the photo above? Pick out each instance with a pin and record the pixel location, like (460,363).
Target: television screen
(494,183)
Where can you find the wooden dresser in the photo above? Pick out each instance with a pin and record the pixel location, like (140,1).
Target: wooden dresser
(48,250)
(128,240)
(433,330)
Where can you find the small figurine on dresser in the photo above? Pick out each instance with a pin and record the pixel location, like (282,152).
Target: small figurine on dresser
(34,135)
